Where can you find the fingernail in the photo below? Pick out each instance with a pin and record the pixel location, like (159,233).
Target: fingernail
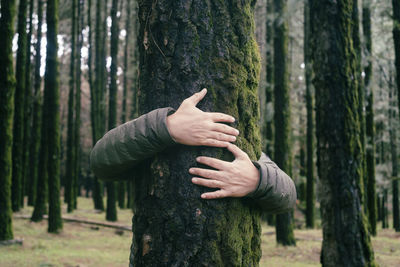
(203,196)
(237,131)
(190,170)
(194,180)
(198,159)
(233,119)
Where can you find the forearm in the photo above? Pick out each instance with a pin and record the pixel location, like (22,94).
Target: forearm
(276,192)
(125,146)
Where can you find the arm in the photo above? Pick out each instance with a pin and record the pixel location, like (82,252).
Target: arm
(270,188)
(276,192)
(126,145)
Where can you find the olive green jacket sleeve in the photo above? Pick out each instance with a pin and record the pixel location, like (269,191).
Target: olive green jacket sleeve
(123,147)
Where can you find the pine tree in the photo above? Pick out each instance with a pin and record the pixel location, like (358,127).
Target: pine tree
(51,117)
(310,195)
(27,109)
(370,126)
(7,88)
(346,239)
(173,225)
(282,157)
(18,128)
(111,212)
(36,113)
(96,94)
(70,164)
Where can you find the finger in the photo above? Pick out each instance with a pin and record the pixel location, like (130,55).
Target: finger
(221,137)
(211,174)
(236,151)
(215,163)
(223,128)
(197,97)
(221,117)
(215,143)
(215,194)
(207,182)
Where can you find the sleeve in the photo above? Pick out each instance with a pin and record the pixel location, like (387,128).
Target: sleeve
(276,192)
(125,146)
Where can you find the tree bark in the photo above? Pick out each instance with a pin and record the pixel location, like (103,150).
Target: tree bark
(346,240)
(310,195)
(51,138)
(18,128)
(370,126)
(37,111)
(96,107)
(183,48)
(282,157)
(111,212)
(70,163)
(7,89)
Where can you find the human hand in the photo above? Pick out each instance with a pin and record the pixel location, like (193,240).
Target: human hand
(234,179)
(191,126)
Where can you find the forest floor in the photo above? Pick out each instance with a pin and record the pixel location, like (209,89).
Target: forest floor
(87,245)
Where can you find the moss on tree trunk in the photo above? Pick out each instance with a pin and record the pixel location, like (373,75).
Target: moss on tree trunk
(7,88)
(185,46)
(346,239)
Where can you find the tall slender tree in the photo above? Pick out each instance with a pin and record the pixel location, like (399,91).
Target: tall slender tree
(37,197)
(70,164)
(123,186)
(28,108)
(111,212)
(346,239)
(370,126)
(96,99)
(7,88)
(51,114)
(176,60)
(269,70)
(282,157)
(394,158)
(310,195)
(18,128)
(77,121)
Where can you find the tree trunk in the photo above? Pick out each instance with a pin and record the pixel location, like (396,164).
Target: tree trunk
(51,138)
(27,109)
(283,157)
(18,128)
(385,209)
(70,163)
(310,201)
(37,111)
(111,212)
(96,98)
(346,240)
(370,126)
(184,48)
(394,157)
(269,69)
(77,121)
(7,88)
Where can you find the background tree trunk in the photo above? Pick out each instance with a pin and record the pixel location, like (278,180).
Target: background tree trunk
(18,128)
(346,240)
(310,202)
(37,111)
(7,88)
(111,213)
(184,48)
(370,126)
(51,140)
(282,157)
(70,163)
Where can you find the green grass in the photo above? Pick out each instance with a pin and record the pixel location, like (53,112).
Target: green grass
(82,245)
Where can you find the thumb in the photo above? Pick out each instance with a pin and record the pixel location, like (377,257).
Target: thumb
(197,97)
(236,151)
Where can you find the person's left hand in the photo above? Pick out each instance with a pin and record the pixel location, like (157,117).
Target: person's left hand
(234,179)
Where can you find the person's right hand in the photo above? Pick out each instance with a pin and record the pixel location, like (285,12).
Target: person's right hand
(191,126)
